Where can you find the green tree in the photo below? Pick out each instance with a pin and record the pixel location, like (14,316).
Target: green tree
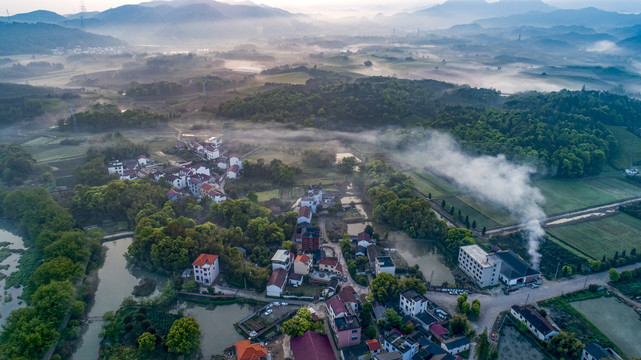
(459,324)
(347,164)
(567,270)
(51,301)
(595,265)
(384,288)
(482,346)
(190,286)
(370,332)
(184,336)
(614,275)
(146,342)
(412,283)
(475,312)
(300,323)
(460,301)
(565,345)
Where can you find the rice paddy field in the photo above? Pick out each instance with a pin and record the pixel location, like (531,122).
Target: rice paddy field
(295,78)
(601,237)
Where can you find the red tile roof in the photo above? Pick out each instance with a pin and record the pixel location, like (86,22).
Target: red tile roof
(205,259)
(363,236)
(438,330)
(277,278)
(348,295)
(337,306)
(302,258)
(247,351)
(333,262)
(312,346)
(373,345)
(234,168)
(305,211)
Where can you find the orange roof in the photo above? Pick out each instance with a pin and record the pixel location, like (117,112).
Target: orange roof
(247,351)
(373,345)
(205,259)
(302,258)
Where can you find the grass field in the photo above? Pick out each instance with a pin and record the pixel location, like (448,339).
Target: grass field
(57,153)
(568,195)
(426,183)
(601,237)
(629,150)
(269,194)
(296,78)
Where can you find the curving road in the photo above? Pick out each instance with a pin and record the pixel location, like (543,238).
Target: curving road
(492,305)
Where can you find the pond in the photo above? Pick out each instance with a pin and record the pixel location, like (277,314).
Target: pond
(217,325)
(513,345)
(9,298)
(619,322)
(424,254)
(116,282)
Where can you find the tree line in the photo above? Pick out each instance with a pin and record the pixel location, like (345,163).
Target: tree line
(16,163)
(564,131)
(104,117)
(63,253)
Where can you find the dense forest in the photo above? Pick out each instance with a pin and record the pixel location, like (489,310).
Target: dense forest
(24,102)
(165,88)
(57,257)
(105,117)
(34,68)
(16,163)
(563,131)
(168,242)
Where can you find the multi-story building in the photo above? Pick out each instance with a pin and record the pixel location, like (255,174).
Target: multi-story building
(412,303)
(477,264)
(384,264)
(282,259)
(206,269)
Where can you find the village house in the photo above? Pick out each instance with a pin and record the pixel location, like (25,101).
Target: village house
(305,214)
(206,269)
(277,282)
(143,160)
(394,355)
(313,198)
(114,167)
(373,346)
(210,152)
(456,345)
(405,345)
(330,264)
(478,265)
(173,195)
(247,351)
(234,159)
(594,351)
(335,308)
(349,297)
(310,239)
(384,264)
(296,279)
(302,264)
(216,196)
(439,332)
(347,331)
(232,173)
(179,182)
(538,325)
(282,259)
(412,303)
(312,346)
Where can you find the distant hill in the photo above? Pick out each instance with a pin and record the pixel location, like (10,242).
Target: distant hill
(590,17)
(40,38)
(455,12)
(42,16)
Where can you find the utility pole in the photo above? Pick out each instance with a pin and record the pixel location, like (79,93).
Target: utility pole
(528,298)
(557,269)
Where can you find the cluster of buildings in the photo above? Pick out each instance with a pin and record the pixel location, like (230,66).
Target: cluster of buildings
(194,180)
(501,267)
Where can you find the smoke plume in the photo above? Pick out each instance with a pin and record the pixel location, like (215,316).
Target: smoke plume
(491,178)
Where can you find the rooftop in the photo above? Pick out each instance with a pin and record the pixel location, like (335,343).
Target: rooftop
(394,355)
(348,322)
(399,342)
(413,296)
(348,295)
(438,329)
(426,318)
(373,345)
(354,352)
(454,343)
(312,346)
(535,318)
(205,259)
(479,255)
(337,306)
(384,261)
(247,351)
(513,266)
(329,261)
(281,256)
(277,278)
(304,258)
(597,351)
(305,211)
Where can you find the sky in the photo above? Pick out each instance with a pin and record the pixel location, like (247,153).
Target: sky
(326,7)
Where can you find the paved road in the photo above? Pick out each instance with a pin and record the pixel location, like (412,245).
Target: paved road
(597,209)
(492,305)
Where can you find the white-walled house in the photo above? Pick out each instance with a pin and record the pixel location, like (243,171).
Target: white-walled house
(538,325)
(211,152)
(115,167)
(277,282)
(282,259)
(234,159)
(412,303)
(206,269)
(305,215)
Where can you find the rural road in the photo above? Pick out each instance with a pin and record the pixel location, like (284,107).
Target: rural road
(492,305)
(565,216)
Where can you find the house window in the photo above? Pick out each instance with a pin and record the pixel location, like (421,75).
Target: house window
(354,338)
(354,331)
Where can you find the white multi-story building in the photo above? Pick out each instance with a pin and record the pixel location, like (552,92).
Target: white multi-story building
(115,167)
(206,269)
(412,303)
(282,259)
(478,265)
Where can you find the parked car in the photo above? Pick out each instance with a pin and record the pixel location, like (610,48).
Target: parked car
(284,303)
(269,311)
(493,336)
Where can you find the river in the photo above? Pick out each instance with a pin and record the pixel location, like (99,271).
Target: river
(116,282)
(11,264)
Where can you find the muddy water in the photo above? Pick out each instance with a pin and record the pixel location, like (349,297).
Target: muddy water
(514,346)
(217,325)
(620,322)
(422,253)
(11,294)
(117,281)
